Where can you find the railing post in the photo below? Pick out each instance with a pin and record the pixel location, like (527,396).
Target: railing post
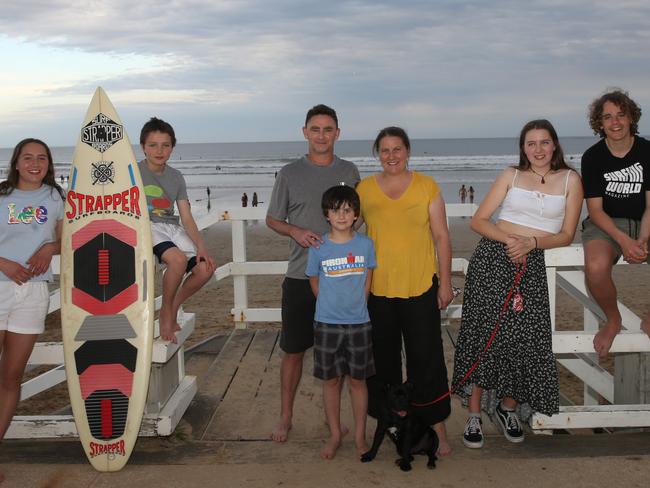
(591,397)
(239,256)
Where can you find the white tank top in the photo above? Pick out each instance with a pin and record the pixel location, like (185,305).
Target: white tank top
(534,209)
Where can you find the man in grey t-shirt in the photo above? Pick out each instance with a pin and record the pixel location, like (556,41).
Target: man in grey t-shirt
(295,211)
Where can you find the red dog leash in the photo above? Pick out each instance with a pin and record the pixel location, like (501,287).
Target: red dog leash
(517,306)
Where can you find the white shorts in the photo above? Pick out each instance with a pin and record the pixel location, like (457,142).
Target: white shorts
(162,232)
(23,308)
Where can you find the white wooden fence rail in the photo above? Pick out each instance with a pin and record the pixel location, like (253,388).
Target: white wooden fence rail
(627,389)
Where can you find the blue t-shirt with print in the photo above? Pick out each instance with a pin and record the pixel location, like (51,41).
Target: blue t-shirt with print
(342,270)
(27,221)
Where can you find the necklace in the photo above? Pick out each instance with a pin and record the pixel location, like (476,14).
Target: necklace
(547,172)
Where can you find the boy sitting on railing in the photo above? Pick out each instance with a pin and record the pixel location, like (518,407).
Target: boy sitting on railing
(179,247)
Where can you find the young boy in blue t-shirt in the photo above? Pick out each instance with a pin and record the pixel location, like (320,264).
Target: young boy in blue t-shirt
(340,272)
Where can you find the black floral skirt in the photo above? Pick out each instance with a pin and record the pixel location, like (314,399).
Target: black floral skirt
(520,362)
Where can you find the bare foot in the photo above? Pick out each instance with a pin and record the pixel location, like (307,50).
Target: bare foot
(330,448)
(645,324)
(362,447)
(444,449)
(605,337)
(344,429)
(168,326)
(281,432)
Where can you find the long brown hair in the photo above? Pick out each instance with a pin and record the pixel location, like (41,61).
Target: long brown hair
(557,161)
(6,187)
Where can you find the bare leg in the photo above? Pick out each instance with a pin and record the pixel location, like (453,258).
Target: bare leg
(16,351)
(198,277)
(475,399)
(172,278)
(290,374)
(599,259)
(509,403)
(444,449)
(359,397)
(332,401)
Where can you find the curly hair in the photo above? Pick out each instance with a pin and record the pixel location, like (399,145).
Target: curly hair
(622,100)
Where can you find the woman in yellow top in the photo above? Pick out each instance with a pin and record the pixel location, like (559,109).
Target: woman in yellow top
(405,216)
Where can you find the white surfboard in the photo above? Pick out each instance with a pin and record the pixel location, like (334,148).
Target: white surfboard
(106,289)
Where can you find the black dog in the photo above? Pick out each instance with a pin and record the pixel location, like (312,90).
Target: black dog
(410,434)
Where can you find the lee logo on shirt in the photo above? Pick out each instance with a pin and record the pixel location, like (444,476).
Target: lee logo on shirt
(27,215)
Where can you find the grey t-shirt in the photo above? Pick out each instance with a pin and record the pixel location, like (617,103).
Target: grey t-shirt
(27,221)
(296,198)
(162,192)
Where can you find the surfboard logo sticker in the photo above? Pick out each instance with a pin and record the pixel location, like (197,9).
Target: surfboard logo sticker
(103,172)
(101,132)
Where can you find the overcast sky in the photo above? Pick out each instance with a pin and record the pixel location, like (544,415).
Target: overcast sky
(247,70)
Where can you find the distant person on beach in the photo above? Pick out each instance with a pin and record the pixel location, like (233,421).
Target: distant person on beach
(405,217)
(295,211)
(471,194)
(177,244)
(244,200)
(462,193)
(208,192)
(506,287)
(254,202)
(31,217)
(340,273)
(616,175)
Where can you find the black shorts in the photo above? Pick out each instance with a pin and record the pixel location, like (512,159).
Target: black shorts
(298,308)
(159,250)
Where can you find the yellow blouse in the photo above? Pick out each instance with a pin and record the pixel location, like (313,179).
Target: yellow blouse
(406,258)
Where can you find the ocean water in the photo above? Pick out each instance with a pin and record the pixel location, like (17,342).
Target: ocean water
(230,169)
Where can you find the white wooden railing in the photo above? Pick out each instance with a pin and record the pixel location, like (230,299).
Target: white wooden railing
(628,389)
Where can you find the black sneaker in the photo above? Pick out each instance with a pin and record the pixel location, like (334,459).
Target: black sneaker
(473,435)
(509,422)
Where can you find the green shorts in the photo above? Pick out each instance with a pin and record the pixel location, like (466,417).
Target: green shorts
(591,232)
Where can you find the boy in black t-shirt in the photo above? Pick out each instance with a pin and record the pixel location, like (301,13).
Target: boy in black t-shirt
(615,174)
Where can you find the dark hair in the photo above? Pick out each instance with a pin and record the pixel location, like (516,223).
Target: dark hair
(391,132)
(7,186)
(557,161)
(321,109)
(623,101)
(336,196)
(157,125)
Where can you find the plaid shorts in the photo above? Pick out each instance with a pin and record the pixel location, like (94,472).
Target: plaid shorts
(343,350)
